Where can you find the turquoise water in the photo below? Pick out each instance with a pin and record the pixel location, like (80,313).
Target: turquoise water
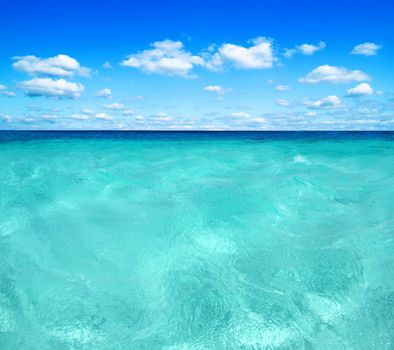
(196,241)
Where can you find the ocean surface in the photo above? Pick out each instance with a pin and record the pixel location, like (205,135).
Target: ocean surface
(196,240)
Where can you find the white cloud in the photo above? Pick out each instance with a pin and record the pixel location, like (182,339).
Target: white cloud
(107,65)
(88,111)
(329,102)
(363,89)
(283,102)
(289,53)
(259,55)
(79,116)
(366,49)
(51,118)
(308,49)
(166,57)
(135,98)
(240,115)
(163,119)
(139,117)
(114,106)
(60,66)
(4,91)
(104,93)
(169,57)
(218,89)
(305,49)
(103,116)
(128,112)
(311,114)
(160,115)
(60,88)
(334,75)
(7,118)
(282,88)
(259,120)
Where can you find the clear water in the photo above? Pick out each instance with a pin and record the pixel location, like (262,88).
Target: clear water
(196,240)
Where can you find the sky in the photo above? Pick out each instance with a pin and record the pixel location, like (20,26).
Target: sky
(197,65)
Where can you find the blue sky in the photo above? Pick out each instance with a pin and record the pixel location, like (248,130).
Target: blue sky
(260,65)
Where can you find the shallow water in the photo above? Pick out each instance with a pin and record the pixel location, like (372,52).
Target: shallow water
(196,241)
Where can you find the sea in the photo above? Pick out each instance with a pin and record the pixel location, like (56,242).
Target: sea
(136,240)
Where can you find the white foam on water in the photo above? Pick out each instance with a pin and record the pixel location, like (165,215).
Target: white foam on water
(301,159)
(215,244)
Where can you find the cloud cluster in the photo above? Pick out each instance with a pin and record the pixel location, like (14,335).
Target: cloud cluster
(46,71)
(57,66)
(334,75)
(5,92)
(55,77)
(305,49)
(170,57)
(366,49)
(329,102)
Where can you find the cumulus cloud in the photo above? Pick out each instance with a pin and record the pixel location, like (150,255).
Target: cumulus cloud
(217,89)
(58,66)
(366,49)
(259,55)
(305,49)
(329,102)
(282,88)
(107,93)
(334,75)
(165,57)
(5,92)
(363,89)
(114,106)
(107,65)
(59,88)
